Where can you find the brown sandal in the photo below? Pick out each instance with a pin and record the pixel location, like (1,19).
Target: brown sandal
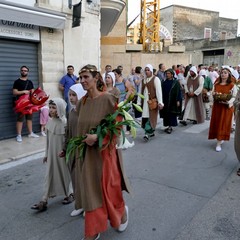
(41,206)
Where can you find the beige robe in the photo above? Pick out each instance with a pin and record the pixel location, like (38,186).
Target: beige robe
(194,108)
(89,171)
(57,180)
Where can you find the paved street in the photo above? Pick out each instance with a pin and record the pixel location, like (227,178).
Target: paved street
(182,190)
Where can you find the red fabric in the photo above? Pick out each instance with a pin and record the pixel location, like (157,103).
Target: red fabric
(29,103)
(24,105)
(113,204)
(221,119)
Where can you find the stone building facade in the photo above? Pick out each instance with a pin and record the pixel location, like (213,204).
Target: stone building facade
(216,53)
(200,36)
(192,23)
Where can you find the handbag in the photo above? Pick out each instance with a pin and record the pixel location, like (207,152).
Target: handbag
(152,103)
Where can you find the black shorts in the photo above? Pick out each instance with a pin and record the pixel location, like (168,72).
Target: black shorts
(20,117)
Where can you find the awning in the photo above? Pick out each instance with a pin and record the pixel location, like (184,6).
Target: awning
(110,12)
(31,15)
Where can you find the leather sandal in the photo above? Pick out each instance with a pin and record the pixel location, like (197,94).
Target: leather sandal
(68,200)
(41,206)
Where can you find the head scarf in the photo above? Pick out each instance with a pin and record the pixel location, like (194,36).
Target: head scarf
(80,92)
(112,75)
(61,108)
(194,69)
(203,72)
(78,89)
(150,67)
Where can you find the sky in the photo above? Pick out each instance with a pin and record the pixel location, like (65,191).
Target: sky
(226,9)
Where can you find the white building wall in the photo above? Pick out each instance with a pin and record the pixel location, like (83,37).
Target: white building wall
(82,44)
(72,46)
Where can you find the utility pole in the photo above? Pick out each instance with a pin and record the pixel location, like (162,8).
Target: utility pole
(150,25)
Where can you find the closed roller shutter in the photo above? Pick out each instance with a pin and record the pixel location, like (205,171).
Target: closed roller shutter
(14,54)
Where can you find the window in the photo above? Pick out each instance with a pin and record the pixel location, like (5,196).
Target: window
(207,33)
(223,35)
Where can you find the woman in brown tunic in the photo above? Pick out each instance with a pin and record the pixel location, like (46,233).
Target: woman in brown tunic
(222,111)
(100,176)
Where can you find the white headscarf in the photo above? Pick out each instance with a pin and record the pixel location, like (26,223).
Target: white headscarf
(61,108)
(78,89)
(194,69)
(112,75)
(203,72)
(150,67)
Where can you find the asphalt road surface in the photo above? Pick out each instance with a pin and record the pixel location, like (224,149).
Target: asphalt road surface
(182,190)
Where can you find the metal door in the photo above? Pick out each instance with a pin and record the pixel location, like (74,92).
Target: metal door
(14,54)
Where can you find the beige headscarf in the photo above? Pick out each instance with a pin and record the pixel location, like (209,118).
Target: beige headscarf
(57,125)
(61,108)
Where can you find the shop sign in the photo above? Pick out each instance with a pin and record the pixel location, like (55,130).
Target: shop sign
(18,30)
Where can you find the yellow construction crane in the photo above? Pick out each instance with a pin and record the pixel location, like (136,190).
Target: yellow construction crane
(150,25)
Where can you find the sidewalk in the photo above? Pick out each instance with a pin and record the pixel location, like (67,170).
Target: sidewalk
(11,150)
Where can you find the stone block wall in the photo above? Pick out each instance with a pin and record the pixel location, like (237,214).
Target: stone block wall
(189,23)
(51,59)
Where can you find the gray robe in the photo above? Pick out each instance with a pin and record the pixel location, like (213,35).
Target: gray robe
(57,179)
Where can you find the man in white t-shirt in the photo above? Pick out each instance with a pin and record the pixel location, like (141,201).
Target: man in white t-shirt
(212,74)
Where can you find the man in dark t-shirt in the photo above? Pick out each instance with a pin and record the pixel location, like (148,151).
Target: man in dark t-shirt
(20,87)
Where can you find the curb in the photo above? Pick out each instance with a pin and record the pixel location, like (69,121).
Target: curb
(30,155)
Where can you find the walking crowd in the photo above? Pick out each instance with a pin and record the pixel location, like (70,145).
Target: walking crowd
(178,95)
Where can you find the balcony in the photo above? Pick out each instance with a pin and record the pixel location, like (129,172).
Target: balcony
(110,12)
